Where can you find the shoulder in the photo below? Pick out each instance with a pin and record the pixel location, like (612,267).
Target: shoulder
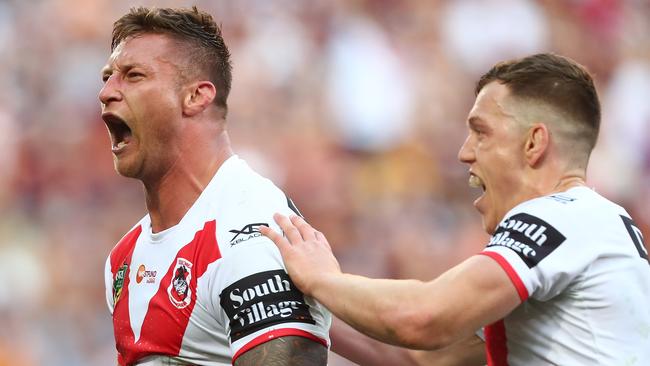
(537,227)
(568,211)
(240,185)
(244,201)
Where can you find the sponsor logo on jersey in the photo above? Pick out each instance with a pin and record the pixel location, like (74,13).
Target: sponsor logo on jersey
(262,300)
(143,273)
(248,232)
(180,293)
(530,237)
(118,282)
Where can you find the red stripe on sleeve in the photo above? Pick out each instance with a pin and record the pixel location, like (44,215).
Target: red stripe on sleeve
(276,334)
(496,347)
(512,274)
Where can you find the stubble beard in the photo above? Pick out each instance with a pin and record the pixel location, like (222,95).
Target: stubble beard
(128,167)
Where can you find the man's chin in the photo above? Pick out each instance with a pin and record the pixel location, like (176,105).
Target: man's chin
(125,169)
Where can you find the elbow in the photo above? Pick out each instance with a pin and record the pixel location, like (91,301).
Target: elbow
(417,327)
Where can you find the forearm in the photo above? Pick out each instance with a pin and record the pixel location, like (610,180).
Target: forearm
(366,351)
(467,352)
(391,311)
(363,350)
(421,315)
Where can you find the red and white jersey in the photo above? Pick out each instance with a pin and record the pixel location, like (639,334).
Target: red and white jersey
(212,287)
(581,270)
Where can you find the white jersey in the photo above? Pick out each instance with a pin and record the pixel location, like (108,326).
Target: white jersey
(212,287)
(581,270)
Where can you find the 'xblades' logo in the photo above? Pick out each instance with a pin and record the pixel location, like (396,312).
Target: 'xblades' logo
(248,232)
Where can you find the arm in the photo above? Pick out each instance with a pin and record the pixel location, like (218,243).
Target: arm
(285,351)
(409,313)
(468,352)
(422,315)
(360,349)
(364,351)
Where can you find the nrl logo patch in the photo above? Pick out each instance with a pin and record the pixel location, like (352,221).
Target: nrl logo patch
(179,290)
(118,282)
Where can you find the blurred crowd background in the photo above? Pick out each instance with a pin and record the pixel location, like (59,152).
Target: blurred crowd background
(356,108)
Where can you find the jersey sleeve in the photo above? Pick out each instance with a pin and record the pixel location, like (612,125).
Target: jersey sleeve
(540,251)
(254,296)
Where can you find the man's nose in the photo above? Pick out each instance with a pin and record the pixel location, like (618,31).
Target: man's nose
(466,152)
(110,91)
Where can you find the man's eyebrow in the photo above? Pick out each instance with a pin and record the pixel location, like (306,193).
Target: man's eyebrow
(134,65)
(124,68)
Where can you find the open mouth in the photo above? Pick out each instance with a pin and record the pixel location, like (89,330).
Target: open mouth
(119,130)
(476,182)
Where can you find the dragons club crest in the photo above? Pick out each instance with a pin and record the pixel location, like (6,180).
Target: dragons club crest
(179,291)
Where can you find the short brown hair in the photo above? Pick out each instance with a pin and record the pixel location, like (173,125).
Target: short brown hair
(556,80)
(194,29)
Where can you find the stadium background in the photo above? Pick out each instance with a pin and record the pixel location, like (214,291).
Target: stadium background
(356,108)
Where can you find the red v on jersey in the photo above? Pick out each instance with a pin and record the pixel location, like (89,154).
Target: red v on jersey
(170,308)
(174,294)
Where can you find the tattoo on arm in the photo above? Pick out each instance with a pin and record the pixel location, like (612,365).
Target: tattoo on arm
(285,351)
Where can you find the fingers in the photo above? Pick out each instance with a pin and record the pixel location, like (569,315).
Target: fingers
(280,241)
(290,231)
(306,231)
(296,230)
(320,237)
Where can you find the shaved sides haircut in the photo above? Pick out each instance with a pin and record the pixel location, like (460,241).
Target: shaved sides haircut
(554,84)
(207,55)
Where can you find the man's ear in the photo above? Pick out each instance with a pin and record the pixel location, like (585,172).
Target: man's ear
(199,96)
(537,144)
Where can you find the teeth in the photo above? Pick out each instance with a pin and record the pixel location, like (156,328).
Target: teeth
(475,181)
(120,144)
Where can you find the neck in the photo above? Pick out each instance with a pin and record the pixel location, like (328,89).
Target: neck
(170,197)
(569,181)
(546,182)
